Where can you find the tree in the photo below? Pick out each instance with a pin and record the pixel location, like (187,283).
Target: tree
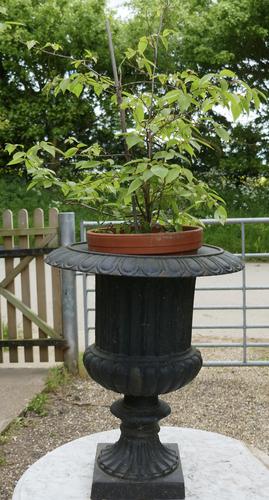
(27,114)
(212,35)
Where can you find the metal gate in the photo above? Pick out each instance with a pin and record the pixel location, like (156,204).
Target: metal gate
(242,335)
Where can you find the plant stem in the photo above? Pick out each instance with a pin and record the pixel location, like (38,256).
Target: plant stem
(122,111)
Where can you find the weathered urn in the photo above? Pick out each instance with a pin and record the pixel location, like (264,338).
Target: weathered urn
(144,309)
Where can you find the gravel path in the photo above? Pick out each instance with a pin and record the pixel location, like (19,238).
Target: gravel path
(231,401)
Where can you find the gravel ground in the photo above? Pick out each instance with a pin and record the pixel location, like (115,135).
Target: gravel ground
(231,401)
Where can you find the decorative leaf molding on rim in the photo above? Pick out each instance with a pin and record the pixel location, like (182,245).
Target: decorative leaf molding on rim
(207,261)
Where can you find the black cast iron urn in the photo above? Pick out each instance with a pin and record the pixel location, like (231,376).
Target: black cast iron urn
(144,308)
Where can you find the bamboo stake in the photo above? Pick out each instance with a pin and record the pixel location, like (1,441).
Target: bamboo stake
(121,111)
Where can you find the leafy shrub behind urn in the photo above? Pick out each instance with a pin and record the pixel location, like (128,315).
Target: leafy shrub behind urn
(161,116)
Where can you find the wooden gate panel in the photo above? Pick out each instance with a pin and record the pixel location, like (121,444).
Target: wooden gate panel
(8,243)
(56,286)
(25,285)
(41,282)
(18,243)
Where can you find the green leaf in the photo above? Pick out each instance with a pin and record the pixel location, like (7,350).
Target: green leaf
(187,147)
(15,161)
(220,214)
(184,101)
(172,175)
(3,27)
(65,189)
(139,113)
(19,154)
(90,55)
(148,67)
(130,53)
(164,42)
(86,164)
(64,85)
(147,175)
(10,148)
(170,97)
(141,167)
(207,105)
(235,106)
(135,184)
(49,148)
(76,89)
(168,32)
(31,43)
(159,171)
(222,133)
(70,152)
(256,99)
(15,23)
(206,78)
(162,78)
(227,72)
(98,89)
(188,174)
(132,140)
(142,44)
(54,46)
(167,155)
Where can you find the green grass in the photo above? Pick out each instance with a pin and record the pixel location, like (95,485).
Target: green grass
(3,439)
(3,461)
(81,368)
(57,376)
(229,237)
(242,201)
(38,405)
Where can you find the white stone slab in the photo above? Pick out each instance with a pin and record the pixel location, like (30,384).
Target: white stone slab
(215,467)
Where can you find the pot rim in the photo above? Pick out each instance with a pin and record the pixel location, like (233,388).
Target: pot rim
(104,233)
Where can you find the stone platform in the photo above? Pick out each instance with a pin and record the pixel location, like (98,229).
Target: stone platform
(215,467)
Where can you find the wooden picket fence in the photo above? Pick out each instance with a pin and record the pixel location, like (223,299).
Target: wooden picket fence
(29,327)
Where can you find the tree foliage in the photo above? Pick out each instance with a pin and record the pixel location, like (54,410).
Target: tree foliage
(26,112)
(212,35)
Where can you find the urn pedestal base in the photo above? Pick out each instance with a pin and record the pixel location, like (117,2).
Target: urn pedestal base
(106,487)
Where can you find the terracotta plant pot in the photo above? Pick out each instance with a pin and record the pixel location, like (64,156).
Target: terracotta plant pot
(155,243)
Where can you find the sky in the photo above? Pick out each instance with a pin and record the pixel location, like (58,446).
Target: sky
(118,5)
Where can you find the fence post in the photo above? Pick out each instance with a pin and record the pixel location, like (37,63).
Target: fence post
(69,295)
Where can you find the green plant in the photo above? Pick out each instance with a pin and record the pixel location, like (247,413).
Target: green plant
(57,376)
(18,423)
(38,405)
(162,116)
(4,331)
(3,461)
(81,368)
(5,334)
(3,439)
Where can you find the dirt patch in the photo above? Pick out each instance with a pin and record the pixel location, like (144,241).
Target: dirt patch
(231,401)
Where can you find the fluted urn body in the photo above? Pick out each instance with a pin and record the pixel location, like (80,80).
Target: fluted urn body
(143,335)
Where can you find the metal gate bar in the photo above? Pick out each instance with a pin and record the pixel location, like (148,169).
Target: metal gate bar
(244,326)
